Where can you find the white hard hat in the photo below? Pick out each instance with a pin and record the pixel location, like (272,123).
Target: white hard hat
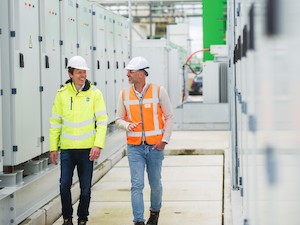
(137,63)
(77,62)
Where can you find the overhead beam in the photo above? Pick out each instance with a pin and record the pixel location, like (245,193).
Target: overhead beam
(158,11)
(163,16)
(141,2)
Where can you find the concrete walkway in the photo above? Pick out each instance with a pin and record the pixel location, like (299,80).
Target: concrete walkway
(195,191)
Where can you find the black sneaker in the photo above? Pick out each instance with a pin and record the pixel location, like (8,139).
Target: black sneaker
(139,223)
(153,220)
(67,222)
(81,222)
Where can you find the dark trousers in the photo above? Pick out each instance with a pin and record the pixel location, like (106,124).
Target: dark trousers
(69,160)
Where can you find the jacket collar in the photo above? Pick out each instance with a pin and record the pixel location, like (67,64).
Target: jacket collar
(86,87)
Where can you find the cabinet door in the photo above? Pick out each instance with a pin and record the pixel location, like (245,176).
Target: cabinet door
(25,81)
(50,62)
(99,53)
(84,33)
(68,34)
(110,67)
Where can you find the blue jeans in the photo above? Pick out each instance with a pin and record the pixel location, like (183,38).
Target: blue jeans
(69,159)
(141,157)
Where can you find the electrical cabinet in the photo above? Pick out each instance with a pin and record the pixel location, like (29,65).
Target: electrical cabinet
(4,47)
(68,34)
(21,83)
(179,34)
(264,82)
(175,77)
(110,68)
(165,66)
(50,63)
(37,39)
(99,50)
(84,33)
(110,55)
(125,48)
(1,93)
(120,72)
(211,82)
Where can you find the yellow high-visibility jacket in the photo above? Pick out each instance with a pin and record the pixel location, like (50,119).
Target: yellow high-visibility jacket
(79,119)
(146,110)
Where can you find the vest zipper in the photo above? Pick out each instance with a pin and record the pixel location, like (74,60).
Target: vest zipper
(71,103)
(142,117)
(141,109)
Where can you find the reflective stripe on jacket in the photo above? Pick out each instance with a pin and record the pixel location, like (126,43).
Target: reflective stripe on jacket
(146,110)
(79,119)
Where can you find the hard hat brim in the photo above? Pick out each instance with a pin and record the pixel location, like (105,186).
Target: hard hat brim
(131,68)
(80,68)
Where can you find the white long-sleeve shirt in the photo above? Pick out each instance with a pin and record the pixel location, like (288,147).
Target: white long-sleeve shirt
(166,107)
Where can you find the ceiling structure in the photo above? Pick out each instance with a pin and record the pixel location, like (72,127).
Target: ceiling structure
(155,14)
(125,2)
(154,8)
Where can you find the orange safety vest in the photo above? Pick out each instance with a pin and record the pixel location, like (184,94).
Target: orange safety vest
(146,110)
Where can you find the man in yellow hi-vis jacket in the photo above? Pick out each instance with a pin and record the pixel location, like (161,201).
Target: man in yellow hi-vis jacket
(78,129)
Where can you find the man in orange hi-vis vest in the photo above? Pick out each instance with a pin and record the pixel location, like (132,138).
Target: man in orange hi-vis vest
(144,110)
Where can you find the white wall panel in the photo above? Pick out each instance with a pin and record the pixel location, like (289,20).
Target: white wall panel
(68,34)
(84,32)
(50,62)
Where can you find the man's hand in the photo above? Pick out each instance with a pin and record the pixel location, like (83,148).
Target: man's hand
(160,145)
(95,153)
(131,126)
(54,157)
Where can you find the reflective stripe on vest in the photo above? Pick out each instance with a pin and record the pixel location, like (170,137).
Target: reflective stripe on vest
(78,138)
(153,132)
(147,133)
